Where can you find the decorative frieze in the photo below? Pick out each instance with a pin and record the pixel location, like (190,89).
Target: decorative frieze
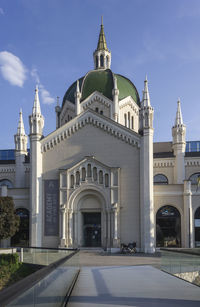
(89,117)
(163,163)
(192,162)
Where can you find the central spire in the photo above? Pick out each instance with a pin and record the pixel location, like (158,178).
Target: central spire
(102,39)
(102,56)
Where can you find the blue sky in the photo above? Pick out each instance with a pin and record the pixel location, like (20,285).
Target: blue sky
(52,42)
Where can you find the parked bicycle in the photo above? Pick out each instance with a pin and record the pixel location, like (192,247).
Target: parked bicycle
(128,249)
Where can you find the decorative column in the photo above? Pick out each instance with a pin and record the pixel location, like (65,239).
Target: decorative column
(70,219)
(115,220)
(63,226)
(188,215)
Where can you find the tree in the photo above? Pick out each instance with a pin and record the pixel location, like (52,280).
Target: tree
(9,221)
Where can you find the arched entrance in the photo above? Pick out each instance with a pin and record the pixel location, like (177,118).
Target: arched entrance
(197,227)
(168,227)
(90,220)
(21,238)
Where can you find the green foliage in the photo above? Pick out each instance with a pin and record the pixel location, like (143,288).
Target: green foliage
(11,270)
(9,221)
(7,259)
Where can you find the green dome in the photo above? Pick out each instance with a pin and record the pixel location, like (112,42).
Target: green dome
(102,81)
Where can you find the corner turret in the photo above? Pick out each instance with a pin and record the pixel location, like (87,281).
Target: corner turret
(20,153)
(146,173)
(36,122)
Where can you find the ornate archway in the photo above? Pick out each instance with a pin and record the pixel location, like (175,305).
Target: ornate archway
(89,220)
(168,227)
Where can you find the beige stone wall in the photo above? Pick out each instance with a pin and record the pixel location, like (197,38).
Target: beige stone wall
(101,107)
(192,166)
(7,171)
(111,151)
(20,197)
(164,167)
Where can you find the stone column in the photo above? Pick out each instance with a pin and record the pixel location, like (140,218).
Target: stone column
(70,218)
(188,215)
(108,232)
(63,226)
(115,220)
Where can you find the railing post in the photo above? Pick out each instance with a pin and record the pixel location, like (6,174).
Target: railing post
(21,254)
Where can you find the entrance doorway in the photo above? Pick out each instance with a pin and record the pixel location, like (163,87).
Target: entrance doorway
(168,227)
(92,229)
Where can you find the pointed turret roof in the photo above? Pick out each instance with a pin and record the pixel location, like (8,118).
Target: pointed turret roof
(146,97)
(36,105)
(102,39)
(179,118)
(20,128)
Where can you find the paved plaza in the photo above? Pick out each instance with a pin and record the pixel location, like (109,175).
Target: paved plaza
(117,280)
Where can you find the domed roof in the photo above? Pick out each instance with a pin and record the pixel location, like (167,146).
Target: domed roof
(102,81)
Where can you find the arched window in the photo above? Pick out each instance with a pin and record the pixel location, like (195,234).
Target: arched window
(146,120)
(129,120)
(106,180)
(72,181)
(132,122)
(168,227)
(97,110)
(21,237)
(95,173)
(77,178)
(6,182)
(197,227)
(83,174)
(96,61)
(100,177)
(89,171)
(125,120)
(101,61)
(101,112)
(194,178)
(160,179)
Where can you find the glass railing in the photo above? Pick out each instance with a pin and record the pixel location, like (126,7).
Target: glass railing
(183,263)
(42,256)
(53,286)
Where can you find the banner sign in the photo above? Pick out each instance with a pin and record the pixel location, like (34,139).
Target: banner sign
(51,208)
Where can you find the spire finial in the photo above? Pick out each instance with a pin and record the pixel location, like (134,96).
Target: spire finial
(102,40)
(20,128)
(58,101)
(146,98)
(179,118)
(36,105)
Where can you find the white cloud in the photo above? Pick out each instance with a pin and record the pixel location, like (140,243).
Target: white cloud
(45,95)
(1,11)
(12,69)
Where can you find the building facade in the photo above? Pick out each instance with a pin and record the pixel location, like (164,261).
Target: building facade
(98,180)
